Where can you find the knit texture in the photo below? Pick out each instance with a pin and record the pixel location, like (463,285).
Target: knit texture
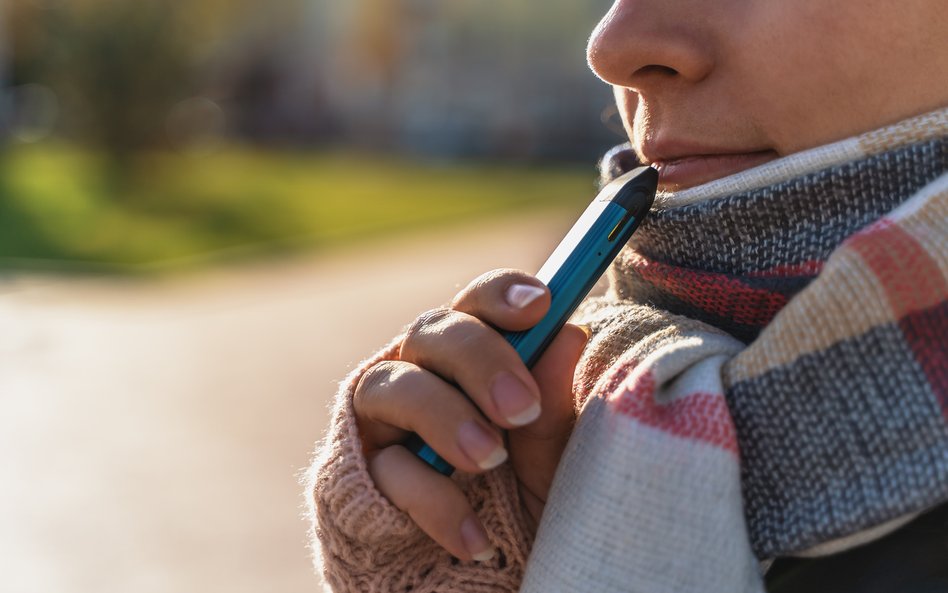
(693,460)
(647,496)
(767,373)
(363,543)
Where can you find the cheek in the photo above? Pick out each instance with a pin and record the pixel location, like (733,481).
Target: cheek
(783,63)
(810,69)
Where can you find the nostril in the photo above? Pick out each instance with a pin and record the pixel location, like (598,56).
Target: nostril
(656,70)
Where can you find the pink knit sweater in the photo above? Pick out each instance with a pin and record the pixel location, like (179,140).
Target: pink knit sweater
(368,545)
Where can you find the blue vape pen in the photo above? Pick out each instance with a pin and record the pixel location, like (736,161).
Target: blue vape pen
(573,269)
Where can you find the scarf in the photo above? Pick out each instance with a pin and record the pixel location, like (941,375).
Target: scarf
(768,373)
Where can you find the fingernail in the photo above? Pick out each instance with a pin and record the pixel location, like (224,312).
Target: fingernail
(475,539)
(480,445)
(514,401)
(586,330)
(521,295)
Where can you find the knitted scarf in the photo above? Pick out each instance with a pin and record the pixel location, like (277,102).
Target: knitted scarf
(767,376)
(769,373)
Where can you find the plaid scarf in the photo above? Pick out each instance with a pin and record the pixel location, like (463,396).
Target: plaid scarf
(768,373)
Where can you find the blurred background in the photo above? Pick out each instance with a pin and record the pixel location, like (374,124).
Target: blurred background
(210,211)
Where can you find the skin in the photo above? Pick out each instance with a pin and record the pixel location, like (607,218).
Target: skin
(774,76)
(752,80)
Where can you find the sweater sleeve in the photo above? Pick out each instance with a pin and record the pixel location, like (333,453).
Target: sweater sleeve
(362,543)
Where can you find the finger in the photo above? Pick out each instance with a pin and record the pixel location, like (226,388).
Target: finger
(464,350)
(396,397)
(432,500)
(536,449)
(508,299)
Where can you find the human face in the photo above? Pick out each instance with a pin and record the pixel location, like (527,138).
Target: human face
(708,88)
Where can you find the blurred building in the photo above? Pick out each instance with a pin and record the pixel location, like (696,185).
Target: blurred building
(466,77)
(444,79)
(448,79)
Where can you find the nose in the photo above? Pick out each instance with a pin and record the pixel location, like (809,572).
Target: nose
(640,42)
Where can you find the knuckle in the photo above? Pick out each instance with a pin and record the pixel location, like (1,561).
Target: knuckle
(432,325)
(379,378)
(424,324)
(374,377)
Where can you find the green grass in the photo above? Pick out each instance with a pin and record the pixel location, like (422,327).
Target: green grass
(68,208)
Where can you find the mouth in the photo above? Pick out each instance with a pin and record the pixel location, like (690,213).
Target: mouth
(681,172)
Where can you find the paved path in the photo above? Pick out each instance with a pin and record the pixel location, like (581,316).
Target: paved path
(151,433)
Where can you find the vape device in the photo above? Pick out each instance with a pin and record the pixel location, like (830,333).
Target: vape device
(573,269)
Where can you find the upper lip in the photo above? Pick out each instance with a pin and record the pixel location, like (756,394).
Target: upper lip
(666,151)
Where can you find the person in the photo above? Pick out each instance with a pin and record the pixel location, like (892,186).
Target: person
(765,378)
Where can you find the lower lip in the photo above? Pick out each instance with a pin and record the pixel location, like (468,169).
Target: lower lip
(695,170)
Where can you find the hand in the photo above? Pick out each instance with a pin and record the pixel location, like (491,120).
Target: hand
(455,382)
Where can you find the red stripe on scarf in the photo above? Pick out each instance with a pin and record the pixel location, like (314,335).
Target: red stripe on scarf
(699,416)
(718,294)
(805,269)
(911,278)
(916,290)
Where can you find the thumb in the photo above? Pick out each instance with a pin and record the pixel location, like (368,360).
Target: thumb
(535,449)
